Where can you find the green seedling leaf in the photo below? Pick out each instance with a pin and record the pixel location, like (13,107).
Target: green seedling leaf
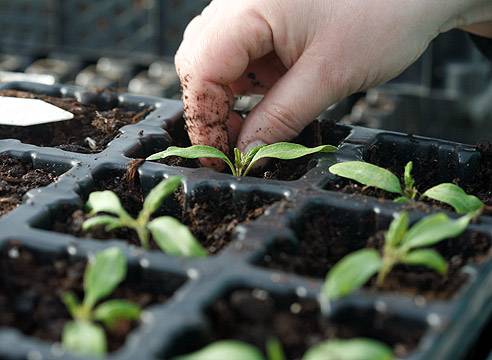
(456,197)
(71,302)
(84,338)
(193,152)
(288,151)
(407,176)
(351,272)
(103,275)
(427,257)
(225,350)
(368,174)
(105,201)
(109,222)
(111,311)
(355,349)
(397,230)
(274,350)
(251,153)
(175,238)
(433,229)
(159,193)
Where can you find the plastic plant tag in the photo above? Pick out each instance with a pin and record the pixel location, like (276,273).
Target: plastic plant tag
(27,112)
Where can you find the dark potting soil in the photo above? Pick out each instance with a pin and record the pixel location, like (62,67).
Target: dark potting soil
(324,239)
(89,122)
(318,133)
(32,286)
(254,316)
(18,177)
(211,215)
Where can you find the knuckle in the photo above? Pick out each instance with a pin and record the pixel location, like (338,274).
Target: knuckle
(280,117)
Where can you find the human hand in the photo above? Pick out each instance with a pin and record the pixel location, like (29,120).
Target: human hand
(304,55)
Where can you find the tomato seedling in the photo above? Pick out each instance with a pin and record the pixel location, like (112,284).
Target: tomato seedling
(402,245)
(84,335)
(243,162)
(380,178)
(354,349)
(169,234)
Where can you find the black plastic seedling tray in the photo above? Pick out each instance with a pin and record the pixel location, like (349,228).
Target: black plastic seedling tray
(263,261)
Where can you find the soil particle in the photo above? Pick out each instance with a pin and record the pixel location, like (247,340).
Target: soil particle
(211,215)
(16,178)
(89,131)
(255,316)
(325,238)
(32,286)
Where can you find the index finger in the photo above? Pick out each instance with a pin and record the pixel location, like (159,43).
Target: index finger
(216,50)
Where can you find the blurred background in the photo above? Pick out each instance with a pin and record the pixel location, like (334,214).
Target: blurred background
(128,45)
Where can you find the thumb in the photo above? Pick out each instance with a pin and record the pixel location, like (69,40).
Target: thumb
(309,87)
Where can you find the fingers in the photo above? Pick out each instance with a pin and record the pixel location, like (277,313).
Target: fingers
(297,98)
(216,52)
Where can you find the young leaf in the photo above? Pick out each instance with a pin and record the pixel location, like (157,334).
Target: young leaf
(433,229)
(225,350)
(157,195)
(84,338)
(274,350)
(193,152)
(251,153)
(105,201)
(397,230)
(112,311)
(175,238)
(407,176)
(426,257)
(71,302)
(354,349)
(368,174)
(454,196)
(287,151)
(351,272)
(103,275)
(109,222)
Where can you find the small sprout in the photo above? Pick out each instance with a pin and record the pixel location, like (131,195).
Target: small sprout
(402,245)
(169,234)
(380,178)
(243,162)
(84,335)
(354,349)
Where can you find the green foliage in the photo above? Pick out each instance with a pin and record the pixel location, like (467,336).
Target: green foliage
(456,197)
(243,162)
(354,349)
(403,245)
(168,233)
(380,178)
(102,275)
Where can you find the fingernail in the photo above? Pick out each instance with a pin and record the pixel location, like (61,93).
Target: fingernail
(253,144)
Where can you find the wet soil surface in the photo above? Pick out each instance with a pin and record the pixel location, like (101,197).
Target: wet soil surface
(211,214)
(18,177)
(32,286)
(254,316)
(90,130)
(325,238)
(318,133)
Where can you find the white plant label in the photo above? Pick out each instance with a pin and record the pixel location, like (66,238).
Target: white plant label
(28,112)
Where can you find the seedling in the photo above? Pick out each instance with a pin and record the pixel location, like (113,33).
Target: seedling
(243,162)
(375,176)
(403,245)
(84,334)
(170,235)
(354,349)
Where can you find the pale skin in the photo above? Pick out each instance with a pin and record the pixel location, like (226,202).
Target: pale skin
(303,55)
